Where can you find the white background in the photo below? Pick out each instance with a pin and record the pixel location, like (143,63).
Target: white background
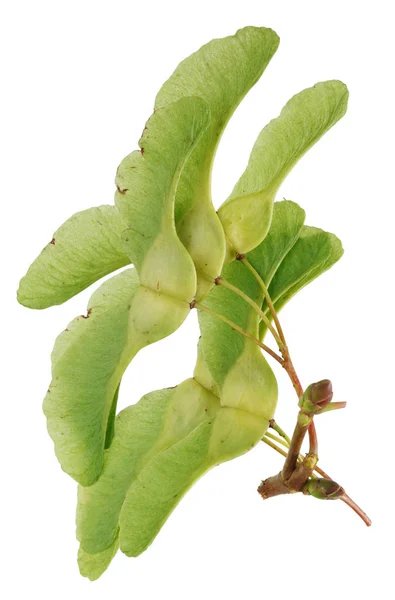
(80,81)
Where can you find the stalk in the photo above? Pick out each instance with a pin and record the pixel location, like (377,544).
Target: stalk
(229,286)
(236,327)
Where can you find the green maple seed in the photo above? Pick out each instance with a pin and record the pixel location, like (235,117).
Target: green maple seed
(221,72)
(162,445)
(242,375)
(147,186)
(159,420)
(238,266)
(247,213)
(127,312)
(88,361)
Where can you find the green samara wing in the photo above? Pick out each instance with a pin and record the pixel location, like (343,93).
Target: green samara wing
(221,72)
(246,215)
(84,249)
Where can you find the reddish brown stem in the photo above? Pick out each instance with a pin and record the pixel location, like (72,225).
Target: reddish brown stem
(357,509)
(313,440)
(288,366)
(294,451)
(290,369)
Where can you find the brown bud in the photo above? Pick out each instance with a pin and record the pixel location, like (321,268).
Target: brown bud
(316,397)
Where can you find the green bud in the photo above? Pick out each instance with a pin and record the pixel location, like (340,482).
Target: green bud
(323,489)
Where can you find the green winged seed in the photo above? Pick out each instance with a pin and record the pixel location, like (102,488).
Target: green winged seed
(156,422)
(88,246)
(84,249)
(88,361)
(237,365)
(162,445)
(246,215)
(170,474)
(147,182)
(126,313)
(221,72)
(314,253)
